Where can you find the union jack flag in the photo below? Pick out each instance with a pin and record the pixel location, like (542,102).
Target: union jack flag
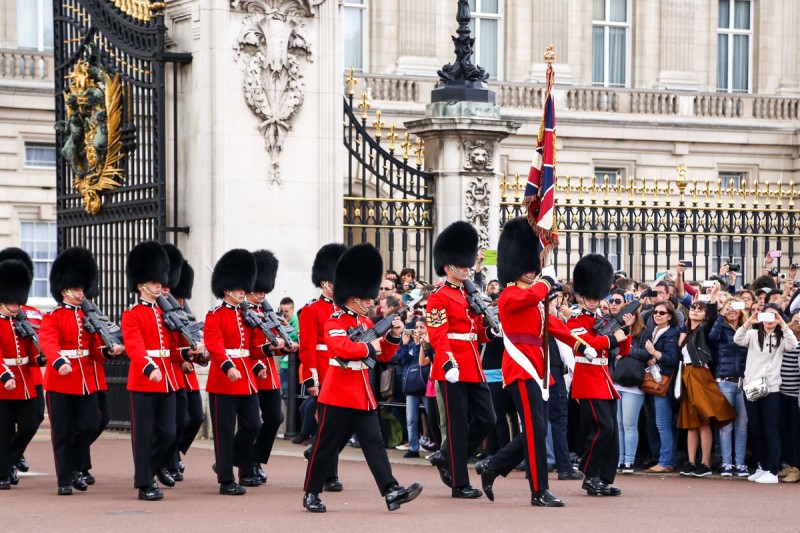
(540,189)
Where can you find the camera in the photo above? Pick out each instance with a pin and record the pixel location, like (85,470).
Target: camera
(734,267)
(795,266)
(796,284)
(557,287)
(649,293)
(773,272)
(686,263)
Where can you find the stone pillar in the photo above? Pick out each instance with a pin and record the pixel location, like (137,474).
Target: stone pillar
(462,150)
(549,23)
(677,46)
(417,44)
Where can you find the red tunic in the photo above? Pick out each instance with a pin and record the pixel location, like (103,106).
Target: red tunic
(590,380)
(176,340)
(272,381)
(18,362)
(64,340)
(228,341)
(149,346)
(35,318)
(522,314)
(347,387)
(313,352)
(455,330)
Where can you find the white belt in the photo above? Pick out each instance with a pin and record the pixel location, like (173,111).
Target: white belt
(16,362)
(322,347)
(237,353)
(158,353)
(351,365)
(598,361)
(463,336)
(74,354)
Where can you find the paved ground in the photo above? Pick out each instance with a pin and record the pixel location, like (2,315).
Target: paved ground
(648,503)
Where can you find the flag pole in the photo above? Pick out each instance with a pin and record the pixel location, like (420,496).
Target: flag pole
(549,57)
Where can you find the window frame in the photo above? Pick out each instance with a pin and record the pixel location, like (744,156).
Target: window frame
(731,31)
(27,165)
(52,227)
(42,7)
(475,16)
(606,24)
(364,8)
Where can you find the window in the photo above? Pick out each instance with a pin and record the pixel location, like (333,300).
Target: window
(734,24)
(39,240)
(727,252)
(35,25)
(486,27)
(610,31)
(612,248)
(40,155)
(355,34)
(614,176)
(732,180)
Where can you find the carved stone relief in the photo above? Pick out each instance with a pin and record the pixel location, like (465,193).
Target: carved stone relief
(478,156)
(476,208)
(272,50)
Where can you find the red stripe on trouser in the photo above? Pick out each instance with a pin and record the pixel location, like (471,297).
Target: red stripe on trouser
(596,436)
(529,437)
(449,434)
(324,409)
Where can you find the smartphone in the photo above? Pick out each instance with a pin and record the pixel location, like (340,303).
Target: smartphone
(774,253)
(686,263)
(410,332)
(628,297)
(766,317)
(739,306)
(704,298)
(709,283)
(490,257)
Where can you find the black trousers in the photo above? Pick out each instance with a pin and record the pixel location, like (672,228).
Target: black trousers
(336,425)
(234,447)
(530,444)
(271,419)
(181,422)
(308,412)
(602,443)
(557,408)
(23,413)
(470,417)
(102,407)
(153,430)
(504,410)
(194,408)
(18,443)
(74,422)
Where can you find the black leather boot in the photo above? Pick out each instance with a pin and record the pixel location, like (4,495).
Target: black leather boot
(488,475)
(467,492)
(313,504)
(398,495)
(232,489)
(151,493)
(78,482)
(164,478)
(545,498)
(441,464)
(333,485)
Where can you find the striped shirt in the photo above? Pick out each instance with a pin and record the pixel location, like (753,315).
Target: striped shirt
(790,373)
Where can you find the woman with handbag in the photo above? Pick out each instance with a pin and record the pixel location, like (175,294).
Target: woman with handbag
(701,403)
(766,344)
(729,372)
(414,382)
(662,347)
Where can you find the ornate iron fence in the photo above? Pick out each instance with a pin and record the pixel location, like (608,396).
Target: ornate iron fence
(647,226)
(387,202)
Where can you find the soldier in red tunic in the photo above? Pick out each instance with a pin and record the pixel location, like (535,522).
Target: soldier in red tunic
(232,389)
(69,379)
(455,332)
(522,313)
(346,402)
(313,351)
(592,384)
(19,362)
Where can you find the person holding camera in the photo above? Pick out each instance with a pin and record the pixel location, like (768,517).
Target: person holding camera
(790,410)
(766,344)
(406,356)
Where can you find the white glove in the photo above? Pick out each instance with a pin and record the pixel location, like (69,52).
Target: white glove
(452,375)
(549,271)
(568,380)
(589,353)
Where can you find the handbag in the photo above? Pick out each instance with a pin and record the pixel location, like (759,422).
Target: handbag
(629,372)
(415,379)
(678,390)
(756,389)
(656,388)
(386,383)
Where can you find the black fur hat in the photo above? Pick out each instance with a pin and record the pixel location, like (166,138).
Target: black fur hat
(517,251)
(15,281)
(325,263)
(235,270)
(184,287)
(74,267)
(267,269)
(456,245)
(175,264)
(147,261)
(592,277)
(358,273)
(17,253)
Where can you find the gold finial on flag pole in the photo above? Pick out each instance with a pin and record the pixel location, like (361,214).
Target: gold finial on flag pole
(549,55)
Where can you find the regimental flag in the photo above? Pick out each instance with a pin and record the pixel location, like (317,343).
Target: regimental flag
(540,189)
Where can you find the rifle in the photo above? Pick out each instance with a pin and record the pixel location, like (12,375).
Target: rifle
(478,306)
(256,321)
(176,319)
(272,321)
(24,329)
(607,325)
(96,322)
(378,330)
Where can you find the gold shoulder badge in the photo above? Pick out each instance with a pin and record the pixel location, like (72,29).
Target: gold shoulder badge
(92,131)
(436,317)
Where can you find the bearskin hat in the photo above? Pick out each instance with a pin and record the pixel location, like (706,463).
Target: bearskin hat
(235,270)
(267,269)
(517,250)
(325,263)
(456,245)
(147,261)
(16,253)
(184,287)
(175,264)
(15,281)
(74,267)
(358,273)
(592,277)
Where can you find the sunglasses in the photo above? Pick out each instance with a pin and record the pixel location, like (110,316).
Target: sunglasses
(697,308)
(661,312)
(616,301)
